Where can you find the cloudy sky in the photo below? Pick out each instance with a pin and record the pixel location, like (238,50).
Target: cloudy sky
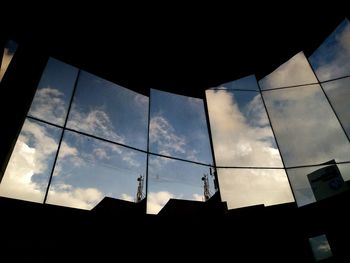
(109,111)
(88,169)
(242,137)
(305,125)
(177,128)
(332,60)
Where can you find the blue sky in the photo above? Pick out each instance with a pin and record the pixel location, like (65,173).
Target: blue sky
(109,111)
(178,127)
(106,169)
(332,59)
(88,169)
(55,86)
(245,83)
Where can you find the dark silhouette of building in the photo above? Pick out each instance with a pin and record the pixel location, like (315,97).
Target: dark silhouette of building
(184,59)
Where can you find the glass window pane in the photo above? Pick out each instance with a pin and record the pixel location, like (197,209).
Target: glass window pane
(246,83)
(168,178)
(88,169)
(9,51)
(178,127)
(332,59)
(311,184)
(295,71)
(320,247)
(28,171)
(306,128)
(51,100)
(246,187)
(338,92)
(106,110)
(240,129)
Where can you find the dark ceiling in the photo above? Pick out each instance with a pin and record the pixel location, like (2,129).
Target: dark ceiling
(182,52)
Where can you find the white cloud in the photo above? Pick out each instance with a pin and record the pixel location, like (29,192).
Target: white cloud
(246,187)
(162,134)
(141,101)
(27,163)
(96,122)
(44,145)
(127,197)
(156,201)
(67,151)
(17,182)
(237,140)
(293,72)
(256,113)
(101,153)
(197,197)
(6,59)
(163,140)
(66,195)
(129,158)
(339,65)
(306,127)
(48,104)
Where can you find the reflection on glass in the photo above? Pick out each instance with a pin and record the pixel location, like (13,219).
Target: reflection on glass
(240,129)
(311,184)
(87,170)
(332,59)
(246,83)
(168,178)
(54,92)
(9,51)
(178,127)
(295,71)
(320,247)
(246,187)
(305,126)
(28,171)
(106,110)
(338,92)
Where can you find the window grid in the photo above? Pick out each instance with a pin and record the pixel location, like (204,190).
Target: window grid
(148,152)
(210,138)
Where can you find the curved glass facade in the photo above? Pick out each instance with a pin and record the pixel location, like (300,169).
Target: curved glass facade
(268,141)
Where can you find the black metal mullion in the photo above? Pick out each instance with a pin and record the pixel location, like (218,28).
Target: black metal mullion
(62,134)
(277,144)
(330,103)
(148,153)
(211,144)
